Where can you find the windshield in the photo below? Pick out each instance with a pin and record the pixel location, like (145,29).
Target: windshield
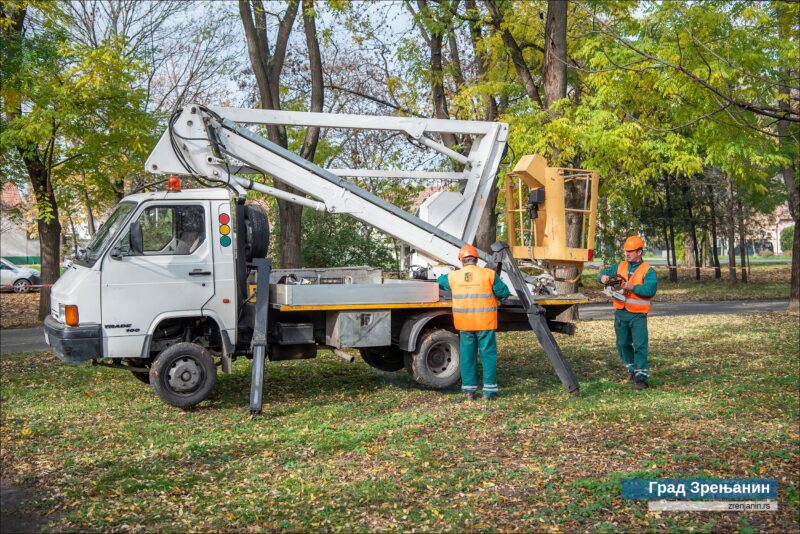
(107,232)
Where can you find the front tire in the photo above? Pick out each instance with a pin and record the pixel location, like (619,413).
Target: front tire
(183,375)
(437,362)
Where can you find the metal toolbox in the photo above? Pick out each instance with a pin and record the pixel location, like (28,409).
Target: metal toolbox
(344,294)
(365,328)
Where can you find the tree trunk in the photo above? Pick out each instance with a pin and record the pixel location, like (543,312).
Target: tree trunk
(693,233)
(487,226)
(480,60)
(689,249)
(74,234)
(267,68)
(665,228)
(714,249)
(486,233)
(554,69)
(742,240)
(673,270)
(788,140)
(731,231)
(554,78)
(703,247)
(48,227)
(437,72)
(88,202)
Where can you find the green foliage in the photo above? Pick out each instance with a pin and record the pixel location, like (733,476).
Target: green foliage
(75,107)
(338,240)
(787,239)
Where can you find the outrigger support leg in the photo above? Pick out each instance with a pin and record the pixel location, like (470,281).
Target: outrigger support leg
(501,255)
(263,268)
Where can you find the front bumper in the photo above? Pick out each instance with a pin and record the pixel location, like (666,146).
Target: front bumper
(73,344)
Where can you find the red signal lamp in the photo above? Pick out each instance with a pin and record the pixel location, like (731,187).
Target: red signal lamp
(174,184)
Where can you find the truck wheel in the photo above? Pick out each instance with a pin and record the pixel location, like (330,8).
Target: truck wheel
(437,361)
(256,232)
(183,375)
(383,358)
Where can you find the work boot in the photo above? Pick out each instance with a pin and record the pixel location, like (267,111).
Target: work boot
(489,396)
(469,395)
(631,377)
(640,384)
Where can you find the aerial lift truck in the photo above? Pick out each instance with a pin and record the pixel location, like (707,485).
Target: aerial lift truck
(177,282)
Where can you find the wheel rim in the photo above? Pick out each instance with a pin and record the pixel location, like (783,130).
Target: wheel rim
(185,375)
(21,286)
(441,360)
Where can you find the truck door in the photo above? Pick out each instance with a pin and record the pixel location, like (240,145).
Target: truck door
(173,276)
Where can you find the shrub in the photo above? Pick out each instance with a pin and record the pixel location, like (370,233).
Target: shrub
(787,236)
(766,253)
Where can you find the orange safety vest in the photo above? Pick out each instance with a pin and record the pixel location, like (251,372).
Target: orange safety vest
(474,303)
(634,303)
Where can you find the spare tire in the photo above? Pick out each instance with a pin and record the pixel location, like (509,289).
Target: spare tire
(256,226)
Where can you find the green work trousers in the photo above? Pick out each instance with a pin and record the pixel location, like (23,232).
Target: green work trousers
(631,331)
(471,343)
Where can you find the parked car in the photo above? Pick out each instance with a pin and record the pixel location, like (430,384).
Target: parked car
(20,279)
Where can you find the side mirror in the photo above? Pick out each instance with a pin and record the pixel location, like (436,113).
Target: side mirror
(136,239)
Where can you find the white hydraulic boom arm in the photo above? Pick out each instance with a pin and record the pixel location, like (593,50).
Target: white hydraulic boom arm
(213,143)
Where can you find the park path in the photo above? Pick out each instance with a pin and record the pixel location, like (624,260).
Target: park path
(590,312)
(32,340)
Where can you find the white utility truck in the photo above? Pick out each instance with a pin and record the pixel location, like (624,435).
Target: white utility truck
(176,282)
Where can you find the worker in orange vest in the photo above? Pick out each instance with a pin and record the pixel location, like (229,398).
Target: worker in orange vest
(630,317)
(475,293)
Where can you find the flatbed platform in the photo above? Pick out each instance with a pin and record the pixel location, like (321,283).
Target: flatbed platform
(545,301)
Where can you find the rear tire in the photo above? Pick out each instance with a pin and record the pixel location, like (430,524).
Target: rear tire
(437,362)
(388,359)
(183,375)
(256,226)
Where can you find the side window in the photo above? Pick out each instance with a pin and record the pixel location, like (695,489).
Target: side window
(172,230)
(158,229)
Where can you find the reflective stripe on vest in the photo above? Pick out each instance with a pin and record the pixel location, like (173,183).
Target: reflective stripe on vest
(634,303)
(474,303)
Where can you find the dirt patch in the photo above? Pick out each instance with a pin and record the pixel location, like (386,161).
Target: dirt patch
(19,310)
(18,513)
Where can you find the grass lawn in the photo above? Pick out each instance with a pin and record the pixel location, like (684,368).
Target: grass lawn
(343,446)
(766,281)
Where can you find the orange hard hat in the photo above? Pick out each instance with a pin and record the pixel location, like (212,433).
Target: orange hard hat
(634,242)
(467,250)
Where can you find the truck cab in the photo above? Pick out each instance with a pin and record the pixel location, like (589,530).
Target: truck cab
(161,269)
